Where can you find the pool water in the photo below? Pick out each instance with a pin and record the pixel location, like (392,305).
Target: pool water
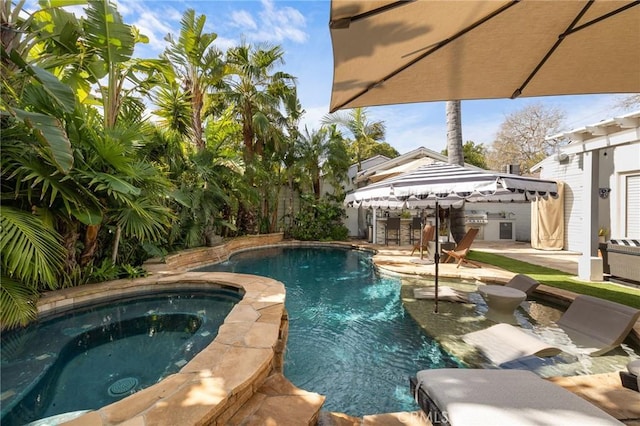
(95,356)
(350,338)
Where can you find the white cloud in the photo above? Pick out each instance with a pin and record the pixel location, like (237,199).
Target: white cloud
(243,19)
(313,117)
(150,24)
(154,20)
(224,43)
(273,24)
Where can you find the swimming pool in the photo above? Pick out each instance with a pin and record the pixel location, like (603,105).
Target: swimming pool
(99,354)
(350,338)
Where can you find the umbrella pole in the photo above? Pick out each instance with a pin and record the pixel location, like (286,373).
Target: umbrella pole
(436,258)
(421,250)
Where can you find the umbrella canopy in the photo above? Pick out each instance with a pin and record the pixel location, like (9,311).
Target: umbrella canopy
(449,184)
(442,184)
(389,52)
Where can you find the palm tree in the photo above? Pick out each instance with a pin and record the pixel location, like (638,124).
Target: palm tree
(364,132)
(455,156)
(256,92)
(313,148)
(323,151)
(198,68)
(288,151)
(336,166)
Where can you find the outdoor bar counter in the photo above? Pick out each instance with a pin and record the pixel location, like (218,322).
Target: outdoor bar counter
(405,229)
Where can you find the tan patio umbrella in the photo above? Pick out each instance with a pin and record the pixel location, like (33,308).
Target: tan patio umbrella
(390,52)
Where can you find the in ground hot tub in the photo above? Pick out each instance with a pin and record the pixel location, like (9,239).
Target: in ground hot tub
(95,355)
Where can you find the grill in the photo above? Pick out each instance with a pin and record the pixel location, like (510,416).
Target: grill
(474,217)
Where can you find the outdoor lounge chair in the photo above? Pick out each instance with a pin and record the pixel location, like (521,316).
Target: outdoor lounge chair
(502,343)
(524,283)
(598,325)
(462,249)
(428,236)
(444,293)
(594,325)
(460,397)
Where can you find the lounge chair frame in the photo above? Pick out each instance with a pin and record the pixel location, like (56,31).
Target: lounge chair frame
(461,250)
(430,408)
(428,235)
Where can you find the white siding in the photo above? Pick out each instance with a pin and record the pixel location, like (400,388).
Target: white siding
(521,214)
(569,172)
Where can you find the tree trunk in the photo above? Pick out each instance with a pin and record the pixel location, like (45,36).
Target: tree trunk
(247,136)
(289,223)
(116,244)
(456,156)
(198,139)
(70,239)
(90,244)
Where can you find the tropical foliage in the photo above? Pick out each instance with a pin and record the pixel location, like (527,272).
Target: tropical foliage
(108,159)
(475,154)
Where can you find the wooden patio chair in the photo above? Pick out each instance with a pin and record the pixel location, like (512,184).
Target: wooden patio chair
(461,250)
(428,235)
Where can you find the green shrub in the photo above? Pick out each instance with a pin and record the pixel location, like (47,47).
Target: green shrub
(320,220)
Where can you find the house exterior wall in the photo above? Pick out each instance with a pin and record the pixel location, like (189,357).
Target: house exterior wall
(569,172)
(351,222)
(521,212)
(616,158)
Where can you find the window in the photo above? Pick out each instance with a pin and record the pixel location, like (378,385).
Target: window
(632,210)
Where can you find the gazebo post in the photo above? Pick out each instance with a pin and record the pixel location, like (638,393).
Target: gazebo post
(374,237)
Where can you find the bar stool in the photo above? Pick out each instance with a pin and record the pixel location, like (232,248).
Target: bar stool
(393,224)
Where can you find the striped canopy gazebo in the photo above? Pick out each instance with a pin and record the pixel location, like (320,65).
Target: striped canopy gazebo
(448,185)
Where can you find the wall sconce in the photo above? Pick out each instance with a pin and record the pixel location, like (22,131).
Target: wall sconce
(604,193)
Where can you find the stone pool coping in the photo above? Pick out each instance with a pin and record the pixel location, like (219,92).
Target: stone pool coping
(212,387)
(219,380)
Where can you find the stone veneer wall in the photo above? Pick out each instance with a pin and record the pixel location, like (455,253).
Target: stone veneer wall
(213,386)
(193,258)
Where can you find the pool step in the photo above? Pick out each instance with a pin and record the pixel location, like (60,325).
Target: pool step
(282,403)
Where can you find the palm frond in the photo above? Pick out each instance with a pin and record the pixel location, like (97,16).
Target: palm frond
(17,304)
(31,252)
(106,33)
(114,186)
(50,132)
(144,219)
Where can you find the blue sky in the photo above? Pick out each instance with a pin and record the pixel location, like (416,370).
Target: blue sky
(301,28)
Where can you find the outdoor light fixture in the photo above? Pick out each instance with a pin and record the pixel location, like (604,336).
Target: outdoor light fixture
(604,193)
